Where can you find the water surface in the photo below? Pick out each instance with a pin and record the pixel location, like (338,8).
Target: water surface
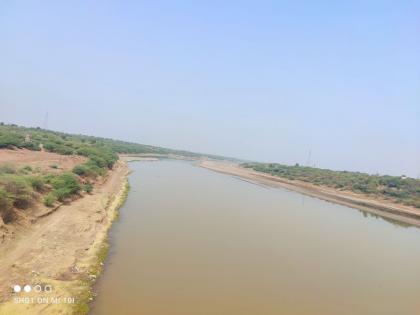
(193,242)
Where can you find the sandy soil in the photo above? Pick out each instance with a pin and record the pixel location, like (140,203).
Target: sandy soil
(138,158)
(60,249)
(154,157)
(42,159)
(384,208)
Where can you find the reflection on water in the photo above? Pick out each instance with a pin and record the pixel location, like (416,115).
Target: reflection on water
(389,220)
(193,242)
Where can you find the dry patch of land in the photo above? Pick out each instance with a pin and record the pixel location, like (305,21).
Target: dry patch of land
(47,161)
(384,208)
(62,249)
(154,157)
(128,158)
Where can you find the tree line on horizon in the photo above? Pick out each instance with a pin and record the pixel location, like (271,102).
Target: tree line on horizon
(400,189)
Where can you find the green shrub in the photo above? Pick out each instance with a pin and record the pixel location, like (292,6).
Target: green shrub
(88,187)
(81,170)
(90,168)
(18,188)
(66,180)
(27,168)
(30,146)
(65,185)
(64,150)
(37,183)
(98,161)
(62,193)
(7,169)
(50,199)
(6,211)
(50,146)
(95,169)
(10,140)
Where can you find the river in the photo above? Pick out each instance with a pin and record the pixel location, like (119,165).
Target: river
(190,241)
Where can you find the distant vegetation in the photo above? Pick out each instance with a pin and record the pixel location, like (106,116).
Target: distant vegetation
(13,136)
(400,189)
(20,188)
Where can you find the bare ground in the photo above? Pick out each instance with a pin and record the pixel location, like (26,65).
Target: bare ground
(384,208)
(42,159)
(60,249)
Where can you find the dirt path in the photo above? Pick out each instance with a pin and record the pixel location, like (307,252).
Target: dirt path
(60,250)
(384,208)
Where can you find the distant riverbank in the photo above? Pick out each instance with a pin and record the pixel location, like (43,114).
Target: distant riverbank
(384,208)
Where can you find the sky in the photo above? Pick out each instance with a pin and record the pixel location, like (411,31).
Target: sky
(267,81)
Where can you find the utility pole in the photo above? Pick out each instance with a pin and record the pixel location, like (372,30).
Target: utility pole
(308,161)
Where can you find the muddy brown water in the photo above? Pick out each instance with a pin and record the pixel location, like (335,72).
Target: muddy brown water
(190,241)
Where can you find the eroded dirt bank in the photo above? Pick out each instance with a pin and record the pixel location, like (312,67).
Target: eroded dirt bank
(384,208)
(63,250)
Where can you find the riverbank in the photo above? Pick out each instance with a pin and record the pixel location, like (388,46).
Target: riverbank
(62,252)
(383,208)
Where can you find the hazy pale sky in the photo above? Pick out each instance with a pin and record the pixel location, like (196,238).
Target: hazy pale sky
(260,80)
